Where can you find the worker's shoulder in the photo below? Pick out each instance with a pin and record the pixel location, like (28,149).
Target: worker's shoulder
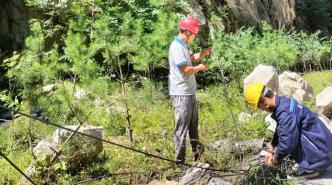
(176,46)
(285,106)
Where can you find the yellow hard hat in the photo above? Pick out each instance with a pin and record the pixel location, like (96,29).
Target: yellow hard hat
(253,93)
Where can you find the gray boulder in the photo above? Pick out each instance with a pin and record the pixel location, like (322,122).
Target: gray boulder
(44,147)
(293,85)
(263,74)
(324,102)
(60,135)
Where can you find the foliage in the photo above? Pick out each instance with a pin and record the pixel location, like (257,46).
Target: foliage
(103,47)
(240,52)
(315,14)
(265,175)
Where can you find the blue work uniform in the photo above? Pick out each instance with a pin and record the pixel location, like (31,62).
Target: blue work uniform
(302,135)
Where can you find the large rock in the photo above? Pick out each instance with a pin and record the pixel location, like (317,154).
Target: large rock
(324,102)
(293,85)
(263,74)
(60,135)
(78,151)
(45,147)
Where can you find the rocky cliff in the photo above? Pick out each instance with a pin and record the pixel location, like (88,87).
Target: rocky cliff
(13,24)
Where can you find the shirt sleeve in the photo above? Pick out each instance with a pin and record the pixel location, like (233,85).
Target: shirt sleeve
(179,57)
(288,135)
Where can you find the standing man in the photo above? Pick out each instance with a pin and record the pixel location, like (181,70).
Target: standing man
(182,87)
(299,133)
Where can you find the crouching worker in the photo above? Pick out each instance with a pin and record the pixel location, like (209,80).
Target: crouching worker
(299,132)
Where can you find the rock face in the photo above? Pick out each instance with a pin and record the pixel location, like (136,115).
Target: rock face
(252,12)
(324,102)
(13,24)
(241,13)
(263,74)
(293,85)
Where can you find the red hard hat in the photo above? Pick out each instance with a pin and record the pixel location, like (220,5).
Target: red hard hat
(189,24)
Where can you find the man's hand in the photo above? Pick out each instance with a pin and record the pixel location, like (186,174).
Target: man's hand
(198,56)
(207,51)
(269,159)
(271,149)
(203,67)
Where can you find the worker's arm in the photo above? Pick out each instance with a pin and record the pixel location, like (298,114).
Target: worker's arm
(198,56)
(188,70)
(288,135)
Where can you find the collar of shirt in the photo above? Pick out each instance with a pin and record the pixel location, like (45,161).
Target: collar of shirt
(177,39)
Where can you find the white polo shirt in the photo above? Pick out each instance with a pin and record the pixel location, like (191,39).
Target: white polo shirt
(178,82)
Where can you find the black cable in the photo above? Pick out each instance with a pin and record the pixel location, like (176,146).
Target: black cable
(19,170)
(116,144)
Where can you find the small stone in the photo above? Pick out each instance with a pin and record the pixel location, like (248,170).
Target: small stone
(193,174)
(48,88)
(111,110)
(156,182)
(218,181)
(80,94)
(244,117)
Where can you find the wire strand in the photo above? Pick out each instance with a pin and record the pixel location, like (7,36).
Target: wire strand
(16,168)
(119,145)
